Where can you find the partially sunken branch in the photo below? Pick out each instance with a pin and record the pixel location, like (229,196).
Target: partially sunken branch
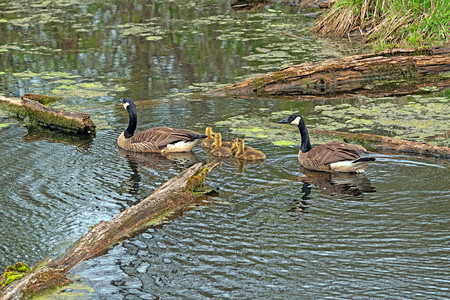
(372,141)
(393,72)
(173,196)
(30,109)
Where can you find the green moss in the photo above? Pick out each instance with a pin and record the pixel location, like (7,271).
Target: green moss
(201,190)
(259,83)
(68,292)
(12,273)
(154,38)
(91,85)
(160,218)
(43,99)
(42,118)
(44,282)
(284,143)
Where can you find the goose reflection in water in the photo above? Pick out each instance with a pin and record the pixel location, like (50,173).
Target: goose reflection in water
(156,162)
(351,184)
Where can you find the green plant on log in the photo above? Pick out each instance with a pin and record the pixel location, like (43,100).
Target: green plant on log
(12,273)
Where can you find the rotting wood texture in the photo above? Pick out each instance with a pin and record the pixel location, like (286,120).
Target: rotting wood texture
(37,113)
(173,196)
(394,72)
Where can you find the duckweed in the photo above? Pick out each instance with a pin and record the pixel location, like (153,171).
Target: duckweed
(414,117)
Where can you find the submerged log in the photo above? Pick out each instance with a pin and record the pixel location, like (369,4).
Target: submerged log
(372,141)
(30,109)
(248,5)
(173,196)
(394,72)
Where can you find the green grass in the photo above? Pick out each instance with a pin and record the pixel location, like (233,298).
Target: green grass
(389,24)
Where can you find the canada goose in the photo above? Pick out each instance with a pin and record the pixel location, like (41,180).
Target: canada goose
(209,140)
(331,157)
(157,139)
(218,149)
(250,154)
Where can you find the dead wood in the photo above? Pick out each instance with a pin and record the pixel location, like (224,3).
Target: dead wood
(30,109)
(173,196)
(372,141)
(394,72)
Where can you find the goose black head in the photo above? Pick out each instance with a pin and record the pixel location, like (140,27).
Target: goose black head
(127,103)
(293,119)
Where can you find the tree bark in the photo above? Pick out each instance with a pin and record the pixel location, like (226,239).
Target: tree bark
(33,111)
(387,73)
(173,196)
(372,141)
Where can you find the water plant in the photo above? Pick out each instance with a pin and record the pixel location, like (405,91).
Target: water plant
(389,23)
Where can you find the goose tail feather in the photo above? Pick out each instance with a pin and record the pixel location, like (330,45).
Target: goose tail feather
(361,159)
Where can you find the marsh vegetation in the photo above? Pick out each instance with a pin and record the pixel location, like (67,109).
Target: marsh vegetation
(272,224)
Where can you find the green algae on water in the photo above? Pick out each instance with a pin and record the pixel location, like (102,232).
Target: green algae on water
(415,117)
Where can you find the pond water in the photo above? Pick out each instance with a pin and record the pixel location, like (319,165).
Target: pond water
(273,230)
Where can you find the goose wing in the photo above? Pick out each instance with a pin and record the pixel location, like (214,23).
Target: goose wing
(160,137)
(333,152)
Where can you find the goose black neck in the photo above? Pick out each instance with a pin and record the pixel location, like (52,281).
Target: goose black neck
(132,122)
(305,145)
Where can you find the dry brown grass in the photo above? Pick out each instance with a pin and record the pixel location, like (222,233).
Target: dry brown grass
(393,22)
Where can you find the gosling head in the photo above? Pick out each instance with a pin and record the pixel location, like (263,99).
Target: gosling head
(208,132)
(241,144)
(217,140)
(293,119)
(234,143)
(127,103)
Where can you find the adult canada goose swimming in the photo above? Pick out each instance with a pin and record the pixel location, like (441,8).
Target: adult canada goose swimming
(331,157)
(157,139)
(218,149)
(249,154)
(209,140)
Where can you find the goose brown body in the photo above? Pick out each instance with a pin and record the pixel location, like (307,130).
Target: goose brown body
(157,139)
(331,157)
(322,157)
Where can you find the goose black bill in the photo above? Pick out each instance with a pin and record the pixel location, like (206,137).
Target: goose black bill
(284,121)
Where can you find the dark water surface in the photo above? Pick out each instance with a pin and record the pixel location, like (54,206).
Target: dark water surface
(271,232)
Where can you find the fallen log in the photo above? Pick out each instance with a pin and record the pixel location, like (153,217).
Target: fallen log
(372,142)
(30,109)
(173,196)
(394,72)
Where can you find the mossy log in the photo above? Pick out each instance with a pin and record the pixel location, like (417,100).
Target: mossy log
(173,196)
(394,72)
(372,142)
(30,109)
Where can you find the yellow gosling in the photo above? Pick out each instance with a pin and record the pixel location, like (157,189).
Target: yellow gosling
(209,140)
(218,149)
(250,154)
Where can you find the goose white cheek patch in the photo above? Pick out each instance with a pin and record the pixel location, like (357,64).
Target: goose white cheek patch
(296,121)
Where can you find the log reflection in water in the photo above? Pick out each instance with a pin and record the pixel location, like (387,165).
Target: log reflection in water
(38,133)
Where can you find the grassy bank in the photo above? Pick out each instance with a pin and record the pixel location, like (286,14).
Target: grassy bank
(389,23)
